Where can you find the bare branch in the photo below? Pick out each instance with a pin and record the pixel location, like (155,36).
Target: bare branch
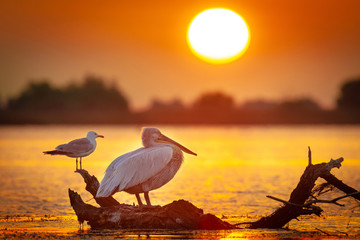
(323,201)
(309,203)
(340,185)
(347,195)
(334,163)
(321,189)
(298,203)
(285,202)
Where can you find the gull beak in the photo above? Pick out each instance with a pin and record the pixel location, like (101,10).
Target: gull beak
(165,139)
(100,136)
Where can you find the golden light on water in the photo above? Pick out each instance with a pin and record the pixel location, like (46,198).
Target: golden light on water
(218,35)
(235,169)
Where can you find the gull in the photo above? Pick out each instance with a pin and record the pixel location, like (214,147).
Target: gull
(144,169)
(77,148)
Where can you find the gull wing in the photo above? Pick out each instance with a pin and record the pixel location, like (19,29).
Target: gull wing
(77,146)
(134,168)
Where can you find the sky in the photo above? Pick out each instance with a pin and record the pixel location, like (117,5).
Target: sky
(297,49)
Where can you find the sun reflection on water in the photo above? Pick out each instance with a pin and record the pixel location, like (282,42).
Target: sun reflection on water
(235,169)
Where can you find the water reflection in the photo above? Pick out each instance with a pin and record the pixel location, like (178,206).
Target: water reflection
(235,169)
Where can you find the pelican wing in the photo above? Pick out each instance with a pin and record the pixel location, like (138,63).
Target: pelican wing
(134,168)
(77,146)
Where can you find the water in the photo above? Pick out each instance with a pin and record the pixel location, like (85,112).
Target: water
(235,169)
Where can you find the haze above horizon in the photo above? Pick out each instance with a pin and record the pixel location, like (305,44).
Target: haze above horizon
(298,49)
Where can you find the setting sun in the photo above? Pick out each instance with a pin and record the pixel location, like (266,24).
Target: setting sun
(218,35)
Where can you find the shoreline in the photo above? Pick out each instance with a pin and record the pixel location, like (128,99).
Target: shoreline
(67,227)
(171,234)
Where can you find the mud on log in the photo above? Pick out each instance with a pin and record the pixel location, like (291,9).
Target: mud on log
(179,214)
(301,200)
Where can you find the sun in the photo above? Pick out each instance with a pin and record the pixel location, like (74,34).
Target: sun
(218,35)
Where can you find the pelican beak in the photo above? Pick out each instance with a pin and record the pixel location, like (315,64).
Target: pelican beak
(100,136)
(164,138)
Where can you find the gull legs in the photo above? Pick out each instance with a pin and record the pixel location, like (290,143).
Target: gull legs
(77,164)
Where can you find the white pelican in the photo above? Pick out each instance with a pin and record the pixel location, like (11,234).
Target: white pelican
(77,148)
(144,169)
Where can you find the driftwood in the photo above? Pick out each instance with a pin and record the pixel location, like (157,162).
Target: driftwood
(179,214)
(92,185)
(301,200)
(182,214)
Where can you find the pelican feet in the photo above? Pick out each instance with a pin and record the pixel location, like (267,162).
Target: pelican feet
(147,199)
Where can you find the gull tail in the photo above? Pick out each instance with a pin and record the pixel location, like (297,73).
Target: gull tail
(56,152)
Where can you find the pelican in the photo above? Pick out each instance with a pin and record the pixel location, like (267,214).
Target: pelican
(144,169)
(77,148)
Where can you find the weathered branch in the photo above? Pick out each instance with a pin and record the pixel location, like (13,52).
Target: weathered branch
(354,195)
(283,201)
(310,203)
(297,204)
(92,185)
(340,185)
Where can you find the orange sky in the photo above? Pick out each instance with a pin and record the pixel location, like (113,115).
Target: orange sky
(297,48)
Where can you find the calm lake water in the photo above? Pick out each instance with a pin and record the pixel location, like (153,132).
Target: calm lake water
(235,169)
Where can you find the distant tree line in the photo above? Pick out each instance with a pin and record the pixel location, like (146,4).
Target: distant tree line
(89,102)
(93,101)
